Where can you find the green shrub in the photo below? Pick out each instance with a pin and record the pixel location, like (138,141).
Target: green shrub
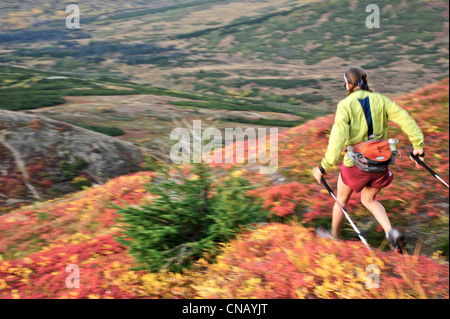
(81,182)
(107,130)
(187,219)
(443,245)
(71,170)
(14,101)
(264,122)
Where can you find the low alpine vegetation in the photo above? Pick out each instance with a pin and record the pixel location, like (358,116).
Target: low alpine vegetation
(188,217)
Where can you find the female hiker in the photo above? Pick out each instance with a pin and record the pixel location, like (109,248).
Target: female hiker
(363,114)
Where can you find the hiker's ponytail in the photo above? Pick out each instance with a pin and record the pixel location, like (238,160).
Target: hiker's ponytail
(356,77)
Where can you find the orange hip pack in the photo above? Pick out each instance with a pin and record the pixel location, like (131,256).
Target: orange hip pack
(372,155)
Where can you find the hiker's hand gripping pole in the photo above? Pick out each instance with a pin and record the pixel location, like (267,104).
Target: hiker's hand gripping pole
(419,161)
(345,213)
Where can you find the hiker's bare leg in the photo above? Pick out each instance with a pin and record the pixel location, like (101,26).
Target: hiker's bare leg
(344,193)
(368,195)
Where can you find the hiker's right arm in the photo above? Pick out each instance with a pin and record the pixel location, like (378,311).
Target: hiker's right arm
(338,136)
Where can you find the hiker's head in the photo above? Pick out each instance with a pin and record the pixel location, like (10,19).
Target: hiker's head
(355,78)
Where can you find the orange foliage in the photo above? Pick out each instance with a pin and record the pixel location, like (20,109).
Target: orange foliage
(275,260)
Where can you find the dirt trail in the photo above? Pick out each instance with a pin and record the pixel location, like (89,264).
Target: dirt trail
(20,164)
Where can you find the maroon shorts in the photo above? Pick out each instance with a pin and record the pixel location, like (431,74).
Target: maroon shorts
(358,179)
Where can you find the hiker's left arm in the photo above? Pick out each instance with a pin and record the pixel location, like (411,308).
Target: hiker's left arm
(408,125)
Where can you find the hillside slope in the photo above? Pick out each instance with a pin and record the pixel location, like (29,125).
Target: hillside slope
(41,158)
(416,202)
(276,260)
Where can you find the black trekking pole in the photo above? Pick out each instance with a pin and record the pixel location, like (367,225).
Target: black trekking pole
(345,213)
(418,160)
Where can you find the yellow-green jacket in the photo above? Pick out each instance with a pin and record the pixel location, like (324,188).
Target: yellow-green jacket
(350,124)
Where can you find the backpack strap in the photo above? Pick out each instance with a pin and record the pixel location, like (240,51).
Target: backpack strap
(365,103)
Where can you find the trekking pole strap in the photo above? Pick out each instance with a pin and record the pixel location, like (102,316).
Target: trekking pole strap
(418,160)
